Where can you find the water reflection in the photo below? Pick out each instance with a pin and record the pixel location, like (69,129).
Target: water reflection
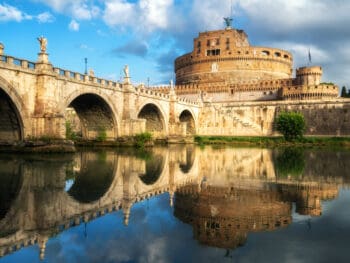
(223,194)
(90,176)
(223,216)
(154,166)
(10,183)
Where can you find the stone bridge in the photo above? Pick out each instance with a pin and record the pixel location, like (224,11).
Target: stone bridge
(34,97)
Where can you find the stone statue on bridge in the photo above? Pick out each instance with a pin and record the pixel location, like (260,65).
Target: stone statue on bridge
(43,43)
(1,49)
(126,71)
(126,74)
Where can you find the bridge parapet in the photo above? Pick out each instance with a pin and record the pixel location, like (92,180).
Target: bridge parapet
(83,78)
(17,62)
(159,92)
(150,92)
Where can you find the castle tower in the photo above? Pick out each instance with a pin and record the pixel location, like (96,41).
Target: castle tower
(226,57)
(309,75)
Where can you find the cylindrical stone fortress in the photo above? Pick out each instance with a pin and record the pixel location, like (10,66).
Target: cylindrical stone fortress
(226,57)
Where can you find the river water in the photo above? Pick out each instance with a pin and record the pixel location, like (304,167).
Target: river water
(176,204)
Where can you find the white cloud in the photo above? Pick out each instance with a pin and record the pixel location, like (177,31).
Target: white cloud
(74,25)
(145,16)
(119,13)
(78,9)
(11,13)
(155,13)
(208,14)
(45,17)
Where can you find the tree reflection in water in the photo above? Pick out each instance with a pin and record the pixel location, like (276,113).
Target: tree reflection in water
(290,162)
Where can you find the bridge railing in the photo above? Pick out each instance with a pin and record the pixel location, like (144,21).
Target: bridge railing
(75,76)
(187,101)
(12,61)
(158,93)
(148,91)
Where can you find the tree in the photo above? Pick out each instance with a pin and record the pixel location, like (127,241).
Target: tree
(344,94)
(291,125)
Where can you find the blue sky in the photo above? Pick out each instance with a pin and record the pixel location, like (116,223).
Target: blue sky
(149,34)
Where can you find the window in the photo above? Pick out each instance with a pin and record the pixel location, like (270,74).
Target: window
(213,52)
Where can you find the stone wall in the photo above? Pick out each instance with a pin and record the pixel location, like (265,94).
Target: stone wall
(257,118)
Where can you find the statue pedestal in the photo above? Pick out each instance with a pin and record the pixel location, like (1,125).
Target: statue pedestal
(127,80)
(43,58)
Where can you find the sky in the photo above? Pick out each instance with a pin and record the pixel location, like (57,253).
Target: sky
(148,35)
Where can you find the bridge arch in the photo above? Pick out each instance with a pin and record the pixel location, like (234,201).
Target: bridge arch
(96,113)
(155,118)
(155,165)
(91,177)
(13,114)
(186,116)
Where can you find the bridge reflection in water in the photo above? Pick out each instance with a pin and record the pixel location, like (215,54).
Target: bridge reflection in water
(224,194)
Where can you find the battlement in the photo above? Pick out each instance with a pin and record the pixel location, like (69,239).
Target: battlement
(303,92)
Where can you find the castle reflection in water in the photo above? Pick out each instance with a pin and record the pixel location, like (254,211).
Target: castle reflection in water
(224,194)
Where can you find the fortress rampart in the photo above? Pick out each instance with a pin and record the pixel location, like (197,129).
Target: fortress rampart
(225,56)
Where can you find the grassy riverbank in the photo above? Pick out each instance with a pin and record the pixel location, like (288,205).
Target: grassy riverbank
(272,141)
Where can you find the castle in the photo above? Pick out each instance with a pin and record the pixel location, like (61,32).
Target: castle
(224,67)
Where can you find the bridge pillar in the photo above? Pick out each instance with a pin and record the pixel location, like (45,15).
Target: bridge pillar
(130,124)
(175,127)
(47,121)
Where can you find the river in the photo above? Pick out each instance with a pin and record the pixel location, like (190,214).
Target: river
(176,204)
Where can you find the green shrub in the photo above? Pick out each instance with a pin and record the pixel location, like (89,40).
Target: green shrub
(101,134)
(70,134)
(291,125)
(142,138)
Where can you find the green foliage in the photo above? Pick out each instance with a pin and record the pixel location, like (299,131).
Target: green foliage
(291,125)
(290,163)
(101,134)
(70,134)
(142,138)
(199,140)
(345,93)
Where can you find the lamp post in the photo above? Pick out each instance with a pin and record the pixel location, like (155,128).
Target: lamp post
(86,61)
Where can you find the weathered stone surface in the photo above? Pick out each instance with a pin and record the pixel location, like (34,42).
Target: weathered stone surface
(237,91)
